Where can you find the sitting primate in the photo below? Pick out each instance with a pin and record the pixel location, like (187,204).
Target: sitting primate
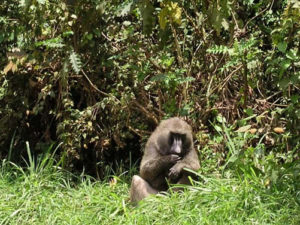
(168,150)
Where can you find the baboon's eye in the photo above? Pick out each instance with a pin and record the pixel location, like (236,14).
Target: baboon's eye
(183,137)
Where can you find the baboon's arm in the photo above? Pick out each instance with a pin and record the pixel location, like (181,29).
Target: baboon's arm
(190,161)
(157,166)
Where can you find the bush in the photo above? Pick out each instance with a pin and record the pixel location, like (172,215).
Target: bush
(98,76)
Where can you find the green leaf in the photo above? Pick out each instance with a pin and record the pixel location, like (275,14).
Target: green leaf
(218,128)
(284,83)
(295,99)
(274,176)
(249,111)
(225,24)
(51,43)
(221,119)
(42,2)
(284,65)
(282,46)
(186,79)
(292,54)
(126,23)
(159,77)
(233,158)
(162,18)
(126,9)
(67,33)
(147,10)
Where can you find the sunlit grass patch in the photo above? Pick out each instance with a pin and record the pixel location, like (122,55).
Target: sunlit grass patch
(56,197)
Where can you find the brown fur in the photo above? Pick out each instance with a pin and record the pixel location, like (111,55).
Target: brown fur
(158,166)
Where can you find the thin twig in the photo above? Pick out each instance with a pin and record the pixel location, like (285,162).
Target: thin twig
(278,92)
(225,80)
(95,88)
(146,112)
(179,54)
(269,7)
(194,25)
(111,42)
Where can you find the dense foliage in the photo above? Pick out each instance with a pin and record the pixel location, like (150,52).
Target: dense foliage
(97,76)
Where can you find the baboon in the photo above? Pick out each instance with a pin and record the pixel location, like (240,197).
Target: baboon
(169,149)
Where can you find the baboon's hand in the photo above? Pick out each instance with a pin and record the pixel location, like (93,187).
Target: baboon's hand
(174,172)
(173,158)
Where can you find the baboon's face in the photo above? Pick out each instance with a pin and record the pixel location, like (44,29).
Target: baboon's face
(177,143)
(173,138)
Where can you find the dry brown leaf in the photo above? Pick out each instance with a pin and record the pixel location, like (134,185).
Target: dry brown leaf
(253,130)
(14,68)
(278,130)
(260,130)
(8,67)
(244,128)
(105,143)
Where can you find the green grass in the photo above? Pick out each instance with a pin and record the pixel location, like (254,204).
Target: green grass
(50,196)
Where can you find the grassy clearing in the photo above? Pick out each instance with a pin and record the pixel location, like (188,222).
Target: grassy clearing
(50,196)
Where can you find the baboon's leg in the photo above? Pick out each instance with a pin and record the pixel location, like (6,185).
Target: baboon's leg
(183,180)
(140,189)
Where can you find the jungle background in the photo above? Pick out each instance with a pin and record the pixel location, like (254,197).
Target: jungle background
(85,82)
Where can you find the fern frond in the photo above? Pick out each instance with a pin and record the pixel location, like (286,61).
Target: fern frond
(51,43)
(218,49)
(75,62)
